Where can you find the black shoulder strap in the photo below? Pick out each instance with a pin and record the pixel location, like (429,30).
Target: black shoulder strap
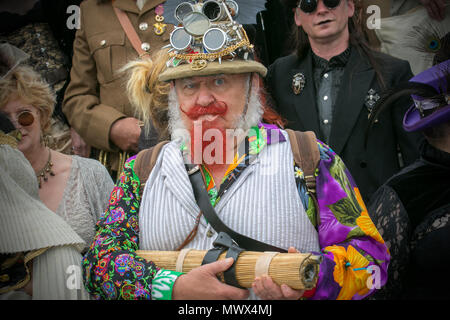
(203,201)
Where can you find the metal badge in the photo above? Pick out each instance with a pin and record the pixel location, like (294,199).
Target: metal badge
(143,26)
(371,99)
(419,106)
(198,64)
(298,82)
(159,27)
(145,46)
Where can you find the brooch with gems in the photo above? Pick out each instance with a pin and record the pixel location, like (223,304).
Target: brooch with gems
(371,99)
(298,82)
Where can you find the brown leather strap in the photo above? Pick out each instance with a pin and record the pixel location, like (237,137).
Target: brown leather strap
(305,151)
(145,161)
(130,31)
(306,156)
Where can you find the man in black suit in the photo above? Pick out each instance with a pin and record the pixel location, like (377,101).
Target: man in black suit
(330,85)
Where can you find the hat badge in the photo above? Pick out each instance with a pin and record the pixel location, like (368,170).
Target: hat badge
(198,64)
(298,82)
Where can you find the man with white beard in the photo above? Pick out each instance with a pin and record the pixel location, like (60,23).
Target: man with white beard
(210,104)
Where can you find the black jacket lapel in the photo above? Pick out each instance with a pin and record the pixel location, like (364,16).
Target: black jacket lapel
(356,82)
(305,102)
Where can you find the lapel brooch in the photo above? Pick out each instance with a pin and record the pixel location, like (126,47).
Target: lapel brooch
(298,82)
(371,99)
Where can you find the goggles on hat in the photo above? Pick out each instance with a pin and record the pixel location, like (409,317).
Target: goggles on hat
(207,39)
(309,6)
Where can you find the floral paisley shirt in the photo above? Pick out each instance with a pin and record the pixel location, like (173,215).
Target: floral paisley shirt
(355,257)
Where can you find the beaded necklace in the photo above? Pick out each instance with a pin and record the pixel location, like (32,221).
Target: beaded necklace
(47,169)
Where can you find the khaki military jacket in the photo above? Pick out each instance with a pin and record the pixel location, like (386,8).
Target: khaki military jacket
(95,97)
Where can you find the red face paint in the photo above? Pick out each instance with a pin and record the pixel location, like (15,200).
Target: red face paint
(208,139)
(213,109)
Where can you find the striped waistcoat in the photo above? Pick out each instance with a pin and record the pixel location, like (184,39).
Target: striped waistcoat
(262,204)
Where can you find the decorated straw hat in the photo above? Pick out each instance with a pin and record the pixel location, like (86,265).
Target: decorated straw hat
(210,39)
(430,111)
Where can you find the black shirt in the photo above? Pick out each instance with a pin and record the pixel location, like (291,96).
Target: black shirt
(327,77)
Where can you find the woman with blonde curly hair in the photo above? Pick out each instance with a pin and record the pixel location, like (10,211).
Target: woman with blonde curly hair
(75,188)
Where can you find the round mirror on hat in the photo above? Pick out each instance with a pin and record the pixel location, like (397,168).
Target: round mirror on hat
(214,39)
(213,10)
(180,39)
(233,8)
(196,23)
(182,10)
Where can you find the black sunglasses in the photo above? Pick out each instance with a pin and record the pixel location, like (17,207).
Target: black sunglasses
(309,6)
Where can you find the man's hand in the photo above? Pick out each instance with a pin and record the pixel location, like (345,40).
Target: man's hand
(125,134)
(79,147)
(266,289)
(201,283)
(435,8)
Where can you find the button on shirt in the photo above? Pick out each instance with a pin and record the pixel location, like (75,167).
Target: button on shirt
(327,80)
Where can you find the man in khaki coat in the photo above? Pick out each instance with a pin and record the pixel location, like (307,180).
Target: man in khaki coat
(95,101)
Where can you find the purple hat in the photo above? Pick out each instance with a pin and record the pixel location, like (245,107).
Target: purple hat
(436,77)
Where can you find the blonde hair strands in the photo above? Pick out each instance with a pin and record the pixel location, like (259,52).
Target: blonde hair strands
(146,93)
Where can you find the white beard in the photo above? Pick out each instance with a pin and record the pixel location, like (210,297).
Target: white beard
(244,122)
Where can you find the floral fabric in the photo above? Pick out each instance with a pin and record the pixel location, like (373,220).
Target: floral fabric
(355,258)
(111,269)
